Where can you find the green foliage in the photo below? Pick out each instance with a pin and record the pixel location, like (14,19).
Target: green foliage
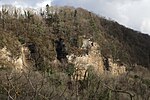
(146,81)
(21,40)
(136,44)
(70,24)
(70,69)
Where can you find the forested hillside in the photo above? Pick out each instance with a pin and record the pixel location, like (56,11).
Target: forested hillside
(49,35)
(44,28)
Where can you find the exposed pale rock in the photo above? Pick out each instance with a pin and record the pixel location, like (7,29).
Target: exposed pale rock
(94,60)
(116,69)
(83,63)
(18,63)
(5,55)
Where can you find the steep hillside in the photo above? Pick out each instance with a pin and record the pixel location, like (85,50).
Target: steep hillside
(130,46)
(74,50)
(138,44)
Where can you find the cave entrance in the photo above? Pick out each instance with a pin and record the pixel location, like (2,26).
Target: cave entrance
(106,63)
(61,50)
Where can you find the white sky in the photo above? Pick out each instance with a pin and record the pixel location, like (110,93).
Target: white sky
(131,13)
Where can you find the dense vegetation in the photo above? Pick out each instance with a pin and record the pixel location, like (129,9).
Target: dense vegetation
(43,29)
(42,32)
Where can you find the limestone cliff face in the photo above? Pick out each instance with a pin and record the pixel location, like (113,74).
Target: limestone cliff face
(95,61)
(18,63)
(91,60)
(116,69)
(5,58)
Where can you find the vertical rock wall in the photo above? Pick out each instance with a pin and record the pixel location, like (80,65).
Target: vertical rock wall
(95,61)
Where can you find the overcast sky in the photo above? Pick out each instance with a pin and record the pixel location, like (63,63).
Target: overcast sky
(131,13)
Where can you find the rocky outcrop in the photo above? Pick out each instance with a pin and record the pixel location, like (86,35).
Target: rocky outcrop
(18,63)
(5,58)
(116,69)
(94,60)
(91,60)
